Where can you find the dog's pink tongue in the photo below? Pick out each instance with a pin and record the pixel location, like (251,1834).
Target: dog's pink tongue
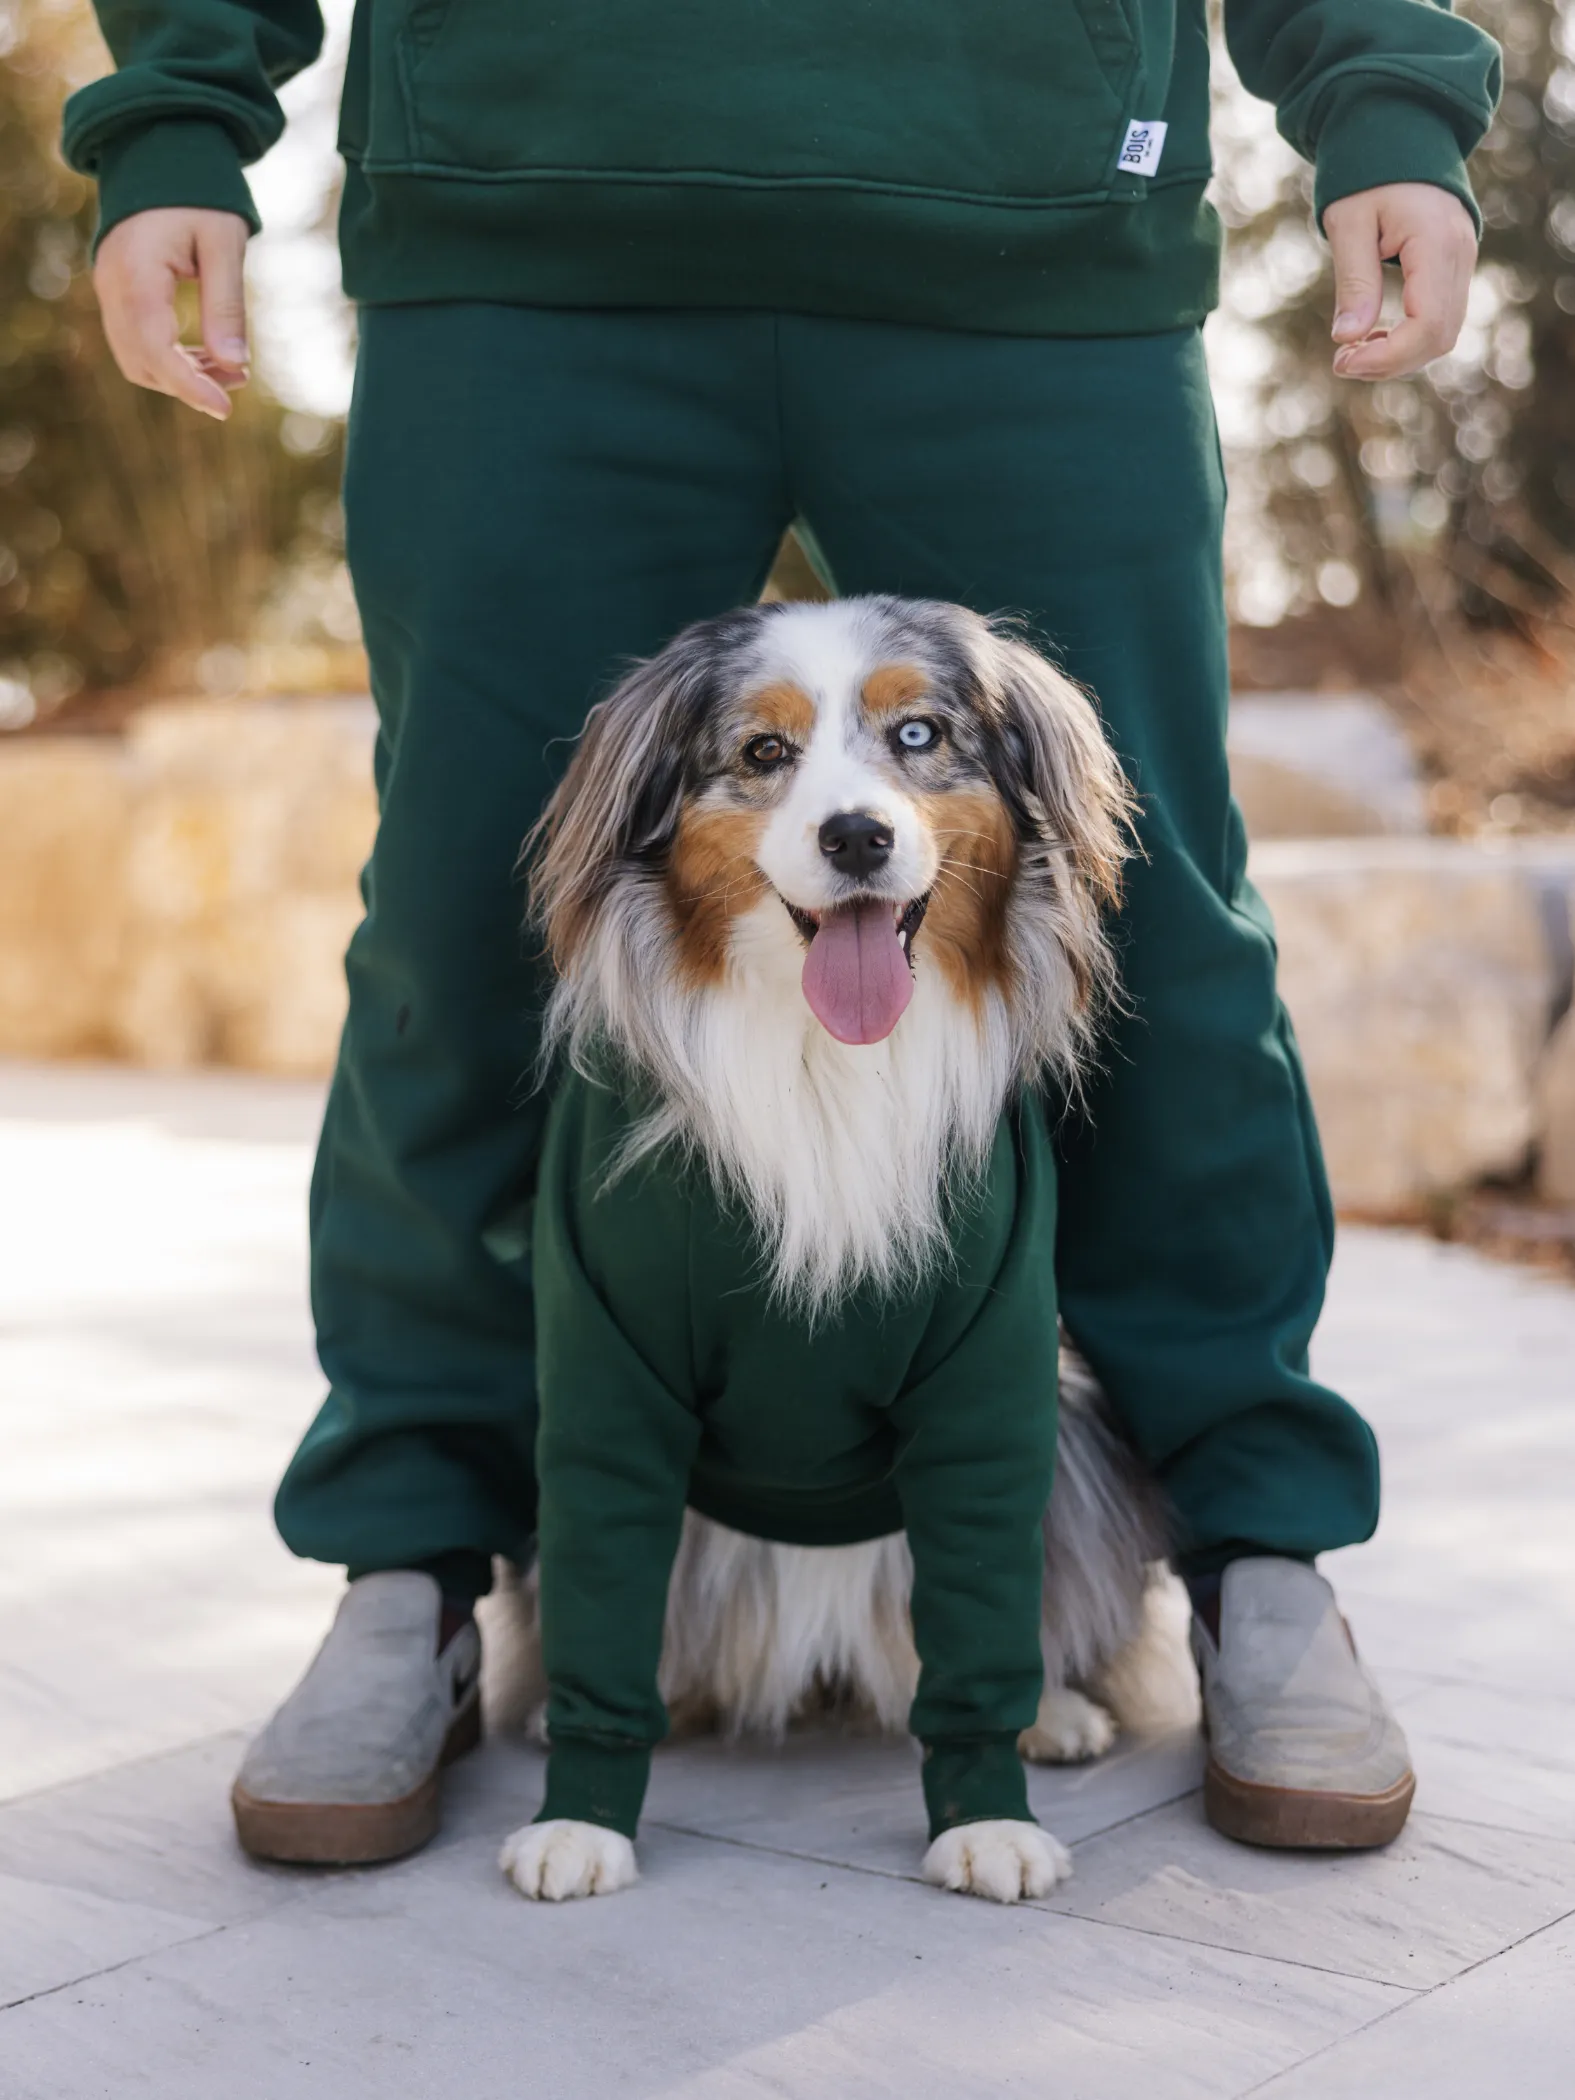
(856,976)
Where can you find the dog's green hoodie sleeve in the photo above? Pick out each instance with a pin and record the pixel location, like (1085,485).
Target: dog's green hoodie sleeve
(614,1454)
(193,101)
(977,1460)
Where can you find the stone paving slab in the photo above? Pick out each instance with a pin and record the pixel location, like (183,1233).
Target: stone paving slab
(1494,1757)
(859,1802)
(1443,1897)
(727,1971)
(155,1370)
(1505,2028)
(1467,1368)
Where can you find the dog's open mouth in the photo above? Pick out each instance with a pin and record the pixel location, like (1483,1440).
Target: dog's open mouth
(858,974)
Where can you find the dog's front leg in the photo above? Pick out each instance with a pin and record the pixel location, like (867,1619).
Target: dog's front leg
(974,1477)
(603,1596)
(613,1453)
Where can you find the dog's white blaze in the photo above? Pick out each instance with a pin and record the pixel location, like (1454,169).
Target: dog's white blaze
(818,646)
(846,1155)
(834,775)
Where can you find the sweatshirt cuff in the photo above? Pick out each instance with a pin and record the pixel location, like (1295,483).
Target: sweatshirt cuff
(1380,137)
(186,161)
(596,1780)
(974,1779)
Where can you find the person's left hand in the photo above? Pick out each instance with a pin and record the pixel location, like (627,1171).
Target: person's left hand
(1428,231)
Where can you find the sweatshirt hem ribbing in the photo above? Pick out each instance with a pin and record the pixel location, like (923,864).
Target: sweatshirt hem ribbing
(1103,269)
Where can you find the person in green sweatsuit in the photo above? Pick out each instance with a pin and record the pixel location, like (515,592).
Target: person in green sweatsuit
(639,287)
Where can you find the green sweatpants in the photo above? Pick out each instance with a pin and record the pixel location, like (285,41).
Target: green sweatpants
(534,496)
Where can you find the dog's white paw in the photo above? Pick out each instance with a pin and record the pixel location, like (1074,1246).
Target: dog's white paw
(1067,1729)
(549,1862)
(1004,1861)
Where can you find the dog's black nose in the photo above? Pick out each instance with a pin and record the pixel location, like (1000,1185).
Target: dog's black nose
(856,843)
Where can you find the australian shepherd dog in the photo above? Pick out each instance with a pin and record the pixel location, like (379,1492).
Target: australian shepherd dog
(831,883)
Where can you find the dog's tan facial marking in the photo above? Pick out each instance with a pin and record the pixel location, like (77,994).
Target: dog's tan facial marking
(783,709)
(894,689)
(965,929)
(711,879)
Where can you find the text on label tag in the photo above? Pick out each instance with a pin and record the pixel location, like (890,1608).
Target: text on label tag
(1145,143)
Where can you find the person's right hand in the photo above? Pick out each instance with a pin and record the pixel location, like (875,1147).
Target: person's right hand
(139,264)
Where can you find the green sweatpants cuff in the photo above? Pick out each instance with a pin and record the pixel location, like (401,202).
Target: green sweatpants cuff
(1212,1561)
(596,1779)
(974,1779)
(462,1576)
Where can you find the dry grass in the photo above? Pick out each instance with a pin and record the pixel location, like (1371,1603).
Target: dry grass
(1509,1225)
(1490,712)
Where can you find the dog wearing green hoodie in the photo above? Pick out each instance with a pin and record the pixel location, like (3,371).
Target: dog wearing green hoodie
(823,891)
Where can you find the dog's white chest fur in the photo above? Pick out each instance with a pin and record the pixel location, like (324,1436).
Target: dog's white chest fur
(846,1156)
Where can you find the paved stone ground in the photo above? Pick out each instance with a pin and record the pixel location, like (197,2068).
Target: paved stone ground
(154,1372)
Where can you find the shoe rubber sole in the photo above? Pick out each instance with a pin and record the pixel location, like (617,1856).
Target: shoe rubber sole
(347,1834)
(1288,1819)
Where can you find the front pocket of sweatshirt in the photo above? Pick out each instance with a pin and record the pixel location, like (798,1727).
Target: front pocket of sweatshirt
(1000,101)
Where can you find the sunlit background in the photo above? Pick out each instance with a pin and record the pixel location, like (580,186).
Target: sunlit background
(1416,537)
(184,729)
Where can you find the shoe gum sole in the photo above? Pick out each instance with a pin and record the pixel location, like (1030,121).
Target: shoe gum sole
(349,1834)
(1288,1819)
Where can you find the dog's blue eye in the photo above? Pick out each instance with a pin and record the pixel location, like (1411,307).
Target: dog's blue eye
(916,735)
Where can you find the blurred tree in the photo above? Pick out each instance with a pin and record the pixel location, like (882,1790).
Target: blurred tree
(1447,499)
(130,528)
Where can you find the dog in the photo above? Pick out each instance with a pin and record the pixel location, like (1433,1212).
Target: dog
(824,891)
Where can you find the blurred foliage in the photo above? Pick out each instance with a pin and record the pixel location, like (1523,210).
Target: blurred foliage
(132,530)
(1420,535)
(1451,494)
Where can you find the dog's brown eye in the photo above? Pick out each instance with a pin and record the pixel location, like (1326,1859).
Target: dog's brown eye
(766,751)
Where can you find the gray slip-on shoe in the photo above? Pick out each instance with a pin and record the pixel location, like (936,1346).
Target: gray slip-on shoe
(347,1771)
(1303,1751)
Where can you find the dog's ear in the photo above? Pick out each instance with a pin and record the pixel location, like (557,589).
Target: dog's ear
(1054,764)
(617,807)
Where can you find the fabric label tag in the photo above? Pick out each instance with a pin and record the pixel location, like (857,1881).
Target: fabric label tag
(1145,143)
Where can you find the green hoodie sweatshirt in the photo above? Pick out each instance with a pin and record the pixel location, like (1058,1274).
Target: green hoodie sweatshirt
(1022,166)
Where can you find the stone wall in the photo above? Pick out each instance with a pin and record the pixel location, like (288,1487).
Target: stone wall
(1322,765)
(1425,977)
(183,895)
